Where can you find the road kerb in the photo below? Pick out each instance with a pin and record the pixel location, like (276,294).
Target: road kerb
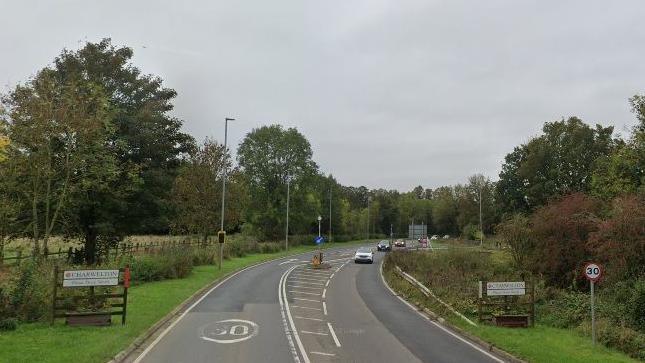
(439,321)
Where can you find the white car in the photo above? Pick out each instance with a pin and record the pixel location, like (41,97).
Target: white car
(364,254)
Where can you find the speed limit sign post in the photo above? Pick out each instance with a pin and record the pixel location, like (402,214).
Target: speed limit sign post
(592,272)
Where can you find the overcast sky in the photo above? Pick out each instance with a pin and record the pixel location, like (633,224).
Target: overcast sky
(390,94)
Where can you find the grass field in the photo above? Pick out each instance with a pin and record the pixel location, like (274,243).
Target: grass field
(147,303)
(538,344)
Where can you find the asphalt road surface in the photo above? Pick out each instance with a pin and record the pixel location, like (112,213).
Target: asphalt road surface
(284,311)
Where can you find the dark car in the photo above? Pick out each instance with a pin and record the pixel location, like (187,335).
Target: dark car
(383,246)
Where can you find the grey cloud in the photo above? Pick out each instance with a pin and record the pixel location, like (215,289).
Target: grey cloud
(390,93)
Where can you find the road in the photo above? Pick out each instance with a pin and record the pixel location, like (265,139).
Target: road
(284,311)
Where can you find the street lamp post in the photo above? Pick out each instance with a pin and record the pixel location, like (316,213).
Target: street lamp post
(221,245)
(368,218)
(286,235)
(481,229)
(319,219)
(330,213)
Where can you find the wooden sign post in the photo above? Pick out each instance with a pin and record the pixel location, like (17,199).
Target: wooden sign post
(68,306)
(488,290)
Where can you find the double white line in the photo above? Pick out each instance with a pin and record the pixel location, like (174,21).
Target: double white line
(287,320)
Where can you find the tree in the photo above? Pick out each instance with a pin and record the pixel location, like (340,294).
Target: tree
(517,234)
(620,239)
(556,163)
(562,230)
(269,156)
(8,197)
(467,197)
(197,193)
(623,171)
(444,211)
(147,142)
(58,129)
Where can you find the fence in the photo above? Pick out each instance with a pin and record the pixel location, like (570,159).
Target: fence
(104,253)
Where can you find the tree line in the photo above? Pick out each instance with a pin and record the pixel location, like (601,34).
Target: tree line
(90,151)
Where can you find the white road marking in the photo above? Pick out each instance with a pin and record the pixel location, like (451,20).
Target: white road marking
(304,287)
(223,329)
(306,283)
(172,325)
(309,274)
(324,293)
(299,298)
(302,292)
(291,260)
(333,335)
(312,332)
(305,307)
(284,308)
(434,323)
(326,354)
(303,317)
(331,277)
(305,279)
(324,308)
(327,283)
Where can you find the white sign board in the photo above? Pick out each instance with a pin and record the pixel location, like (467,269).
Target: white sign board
(82,278)
(505,288)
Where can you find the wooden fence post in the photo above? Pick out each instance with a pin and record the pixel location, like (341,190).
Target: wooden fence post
(55,286)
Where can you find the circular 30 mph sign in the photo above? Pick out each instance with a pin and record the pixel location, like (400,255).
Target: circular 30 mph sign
(592,271)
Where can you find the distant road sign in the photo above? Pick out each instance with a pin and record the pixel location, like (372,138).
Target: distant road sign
(592,271)
(319,240)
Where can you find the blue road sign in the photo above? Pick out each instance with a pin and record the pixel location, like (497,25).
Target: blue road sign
(319,240)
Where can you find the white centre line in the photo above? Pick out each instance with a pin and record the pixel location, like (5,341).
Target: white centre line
(299,298)
(303,317)
(327,284)
(324,293)
(302,292)
(321,353)
(304,307)
(333,335)
(312,332)
(331,277)
(324,308)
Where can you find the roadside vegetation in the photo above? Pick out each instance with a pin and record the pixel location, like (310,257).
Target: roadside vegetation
(562,315)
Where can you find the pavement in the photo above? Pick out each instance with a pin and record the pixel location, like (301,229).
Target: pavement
(285,311)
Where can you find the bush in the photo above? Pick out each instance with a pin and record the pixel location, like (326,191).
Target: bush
(8,324)
(30,297)
(616,336)
(563,309)
(170,264)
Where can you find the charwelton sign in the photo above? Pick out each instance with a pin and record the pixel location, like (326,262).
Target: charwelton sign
(505,288)
(84,278)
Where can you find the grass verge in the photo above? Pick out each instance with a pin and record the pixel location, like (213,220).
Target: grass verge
(147,303)
(537,344)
